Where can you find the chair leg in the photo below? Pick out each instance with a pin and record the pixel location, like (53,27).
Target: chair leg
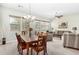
(27,49)
(37,53)
(44,52)
(31,51)
(20,50)
(18,47)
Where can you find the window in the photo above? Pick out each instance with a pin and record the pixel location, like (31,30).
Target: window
(14,24)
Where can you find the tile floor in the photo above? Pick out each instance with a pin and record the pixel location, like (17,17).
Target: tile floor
(54,47)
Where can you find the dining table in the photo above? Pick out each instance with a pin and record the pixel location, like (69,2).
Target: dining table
(28,40)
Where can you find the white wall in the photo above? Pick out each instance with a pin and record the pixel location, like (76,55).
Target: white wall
(5,27)
(72,19)
(43,26)
(5,12)
(5,20)
(57,21)
(0,25)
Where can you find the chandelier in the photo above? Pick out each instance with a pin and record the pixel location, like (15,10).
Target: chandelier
(29,17)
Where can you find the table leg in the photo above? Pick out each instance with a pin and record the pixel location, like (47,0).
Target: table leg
(27,49)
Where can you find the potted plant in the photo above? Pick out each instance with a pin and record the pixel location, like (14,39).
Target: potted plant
(74,29)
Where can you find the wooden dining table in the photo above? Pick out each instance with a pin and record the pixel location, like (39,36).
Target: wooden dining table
(29,40)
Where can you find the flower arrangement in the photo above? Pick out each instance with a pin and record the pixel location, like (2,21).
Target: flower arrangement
(74,28)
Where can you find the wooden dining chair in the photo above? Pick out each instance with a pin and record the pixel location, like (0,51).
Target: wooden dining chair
(45,44)
(39,45)
(44,41)
(21,44)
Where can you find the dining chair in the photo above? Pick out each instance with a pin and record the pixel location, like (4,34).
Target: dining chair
(39,45)
(44,36)
(21,44)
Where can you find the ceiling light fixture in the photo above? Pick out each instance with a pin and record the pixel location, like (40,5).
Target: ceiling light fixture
(29,17)
(58,14)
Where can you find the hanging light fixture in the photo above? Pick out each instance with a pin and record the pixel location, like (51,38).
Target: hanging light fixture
(58,14)
(29,17)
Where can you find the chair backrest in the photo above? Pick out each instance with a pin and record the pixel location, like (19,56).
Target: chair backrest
(43,36)
(18,38)
(37,43)
(41,42)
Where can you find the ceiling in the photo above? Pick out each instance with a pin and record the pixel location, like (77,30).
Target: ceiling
(44,10)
